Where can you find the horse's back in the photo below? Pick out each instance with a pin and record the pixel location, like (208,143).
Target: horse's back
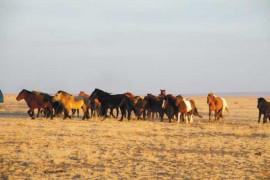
(188,105)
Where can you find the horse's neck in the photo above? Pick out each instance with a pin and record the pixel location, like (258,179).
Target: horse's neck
(29,97)
(65,99)
(171,100)
(152,101)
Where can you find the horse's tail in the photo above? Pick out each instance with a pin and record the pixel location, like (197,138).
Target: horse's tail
(196,113)
(225,106)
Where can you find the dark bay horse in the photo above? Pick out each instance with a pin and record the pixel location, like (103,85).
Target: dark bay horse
(109,101)
(187,108)
(168,104)
(138,103)
(36,101)
(152,104)
(264,109)
(218,105)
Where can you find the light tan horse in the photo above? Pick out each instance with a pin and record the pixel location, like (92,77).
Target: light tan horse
(70,103)
(186,108)
(218,105)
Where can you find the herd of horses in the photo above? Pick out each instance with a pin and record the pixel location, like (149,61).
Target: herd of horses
(99,102)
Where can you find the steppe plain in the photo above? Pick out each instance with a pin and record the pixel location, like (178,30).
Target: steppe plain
(237,148)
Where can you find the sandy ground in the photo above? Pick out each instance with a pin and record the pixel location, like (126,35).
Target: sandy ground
(238,148)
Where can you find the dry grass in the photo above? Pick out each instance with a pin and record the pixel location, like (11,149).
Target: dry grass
(237,148)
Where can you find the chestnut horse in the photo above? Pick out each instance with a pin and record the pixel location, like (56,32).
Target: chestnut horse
(95,105)
(36,101)
(69,102)
(186,108)
(264,109)
(218,105)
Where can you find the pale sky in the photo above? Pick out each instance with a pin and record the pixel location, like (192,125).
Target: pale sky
(142,46)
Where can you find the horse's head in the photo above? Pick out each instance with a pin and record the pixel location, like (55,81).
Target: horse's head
(97,93)
(57,96)
(21,95)
(261,101)
(210,98)
(178,100)
(162,93)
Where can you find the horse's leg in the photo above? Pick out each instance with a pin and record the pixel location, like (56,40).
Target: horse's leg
(50,110)
(32,115)
(65,113)
(123,113)
(29,113)
(183,117)
(105,113)
(78,113)
(111,113)
(149,114)
(161,114)
(187,117)
(210,113)
(264,118)
(179,117)
(92,112)
(38,112)
(69,116)
(259,119)
(191,118)
(144,114)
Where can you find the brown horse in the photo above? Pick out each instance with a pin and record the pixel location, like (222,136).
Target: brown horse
(218,105)
(264,109)
(69,102)
(36,101)
(94,105)
(186,108)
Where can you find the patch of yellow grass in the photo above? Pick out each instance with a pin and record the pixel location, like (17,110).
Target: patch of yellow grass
(237,148)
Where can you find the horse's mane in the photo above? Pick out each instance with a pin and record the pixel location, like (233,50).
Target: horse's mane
(179,96)
(171,96)
(261,99)
(26,91)
(63,92)
(129,95)
(101,91)
(83,93)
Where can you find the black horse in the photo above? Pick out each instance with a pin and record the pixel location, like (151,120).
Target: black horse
(169,106)
(152,104)
(109,101)
(264,109)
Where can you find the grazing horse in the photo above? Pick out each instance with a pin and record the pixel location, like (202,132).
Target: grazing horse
(152,104)
(70,102)
(168,104)
(187,108)
(36,101)
(264,108)
(218,105)
(109,101)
